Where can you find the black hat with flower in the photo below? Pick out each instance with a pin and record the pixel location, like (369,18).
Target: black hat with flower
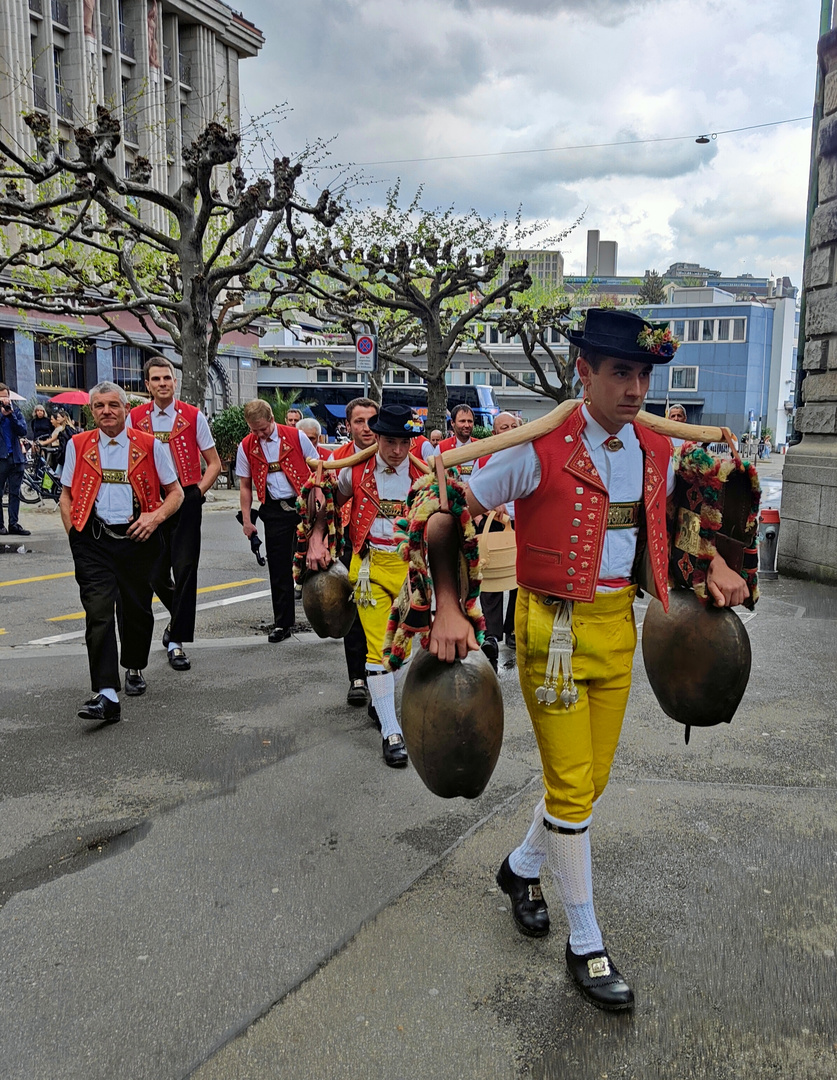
(625,335)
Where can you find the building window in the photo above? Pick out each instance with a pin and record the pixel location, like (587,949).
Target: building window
(478,378)
(59,365)
(739,329)
(528,377)
(127,368)
(723,329)
(399,376)
(708,326)
(495,378)
(682,378)
(694,330)
(493,336)
(336,375)
(414,379)
(679,329)
(322,374)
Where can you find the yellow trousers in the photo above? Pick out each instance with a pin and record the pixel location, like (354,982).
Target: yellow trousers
(387,572)
(577,744)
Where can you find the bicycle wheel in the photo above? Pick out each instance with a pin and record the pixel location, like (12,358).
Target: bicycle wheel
(28,492)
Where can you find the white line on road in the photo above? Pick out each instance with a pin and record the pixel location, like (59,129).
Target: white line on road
(58,638)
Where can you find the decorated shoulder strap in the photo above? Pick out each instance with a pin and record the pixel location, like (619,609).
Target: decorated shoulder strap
(306,505)
(410,614)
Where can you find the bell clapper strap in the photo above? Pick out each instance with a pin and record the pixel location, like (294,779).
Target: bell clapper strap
(559,663)
(363,589)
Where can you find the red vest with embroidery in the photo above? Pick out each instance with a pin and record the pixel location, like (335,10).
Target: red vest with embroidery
(87,477)
(183,441)
(561,526)
(291,458)
(451,444)
(343,451)
(365,500)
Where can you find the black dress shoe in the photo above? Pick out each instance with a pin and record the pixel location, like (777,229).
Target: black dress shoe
(491,650)
(179,660)
(596,977)
(135,684)
(167,636)
(3,530)
(102,709)
(511,641)
(18,530)
(395,752)
(358,694)
(279,633)
(372,713)
(528,905)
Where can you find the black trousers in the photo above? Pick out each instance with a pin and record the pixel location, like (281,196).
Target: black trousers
(175,574)
(280,543)
(492,608)
(354,643)
(11,472)
(114,581)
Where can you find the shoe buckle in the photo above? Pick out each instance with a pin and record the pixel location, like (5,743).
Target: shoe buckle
(598,967)
(535,893)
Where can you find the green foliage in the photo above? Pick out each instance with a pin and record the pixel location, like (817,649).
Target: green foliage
(228,429)
(652,289)
(281,403)
(480,432)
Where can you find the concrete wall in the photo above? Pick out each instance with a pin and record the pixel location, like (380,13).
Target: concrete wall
(808,536)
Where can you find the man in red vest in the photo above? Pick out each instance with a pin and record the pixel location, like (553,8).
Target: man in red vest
(182,431)
(462,419)
(590,507)
(111,508)
(359,413)
(272,460)
(378,489)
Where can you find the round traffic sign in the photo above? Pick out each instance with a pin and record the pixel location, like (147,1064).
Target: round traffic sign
(365,345)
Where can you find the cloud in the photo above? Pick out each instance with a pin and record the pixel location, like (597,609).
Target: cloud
(606,12)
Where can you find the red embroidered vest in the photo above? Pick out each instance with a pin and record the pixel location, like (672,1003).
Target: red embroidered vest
(183,441)
(365,500)
(343,451)
(451,444)
(291,458)
(87,478)
(561,526)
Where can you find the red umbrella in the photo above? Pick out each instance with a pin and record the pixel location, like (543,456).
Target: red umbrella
(72,397)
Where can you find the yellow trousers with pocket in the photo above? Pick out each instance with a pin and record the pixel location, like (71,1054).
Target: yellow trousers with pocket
(577,744)
(387,572)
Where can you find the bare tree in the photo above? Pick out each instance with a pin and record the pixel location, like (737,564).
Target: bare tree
(86,242)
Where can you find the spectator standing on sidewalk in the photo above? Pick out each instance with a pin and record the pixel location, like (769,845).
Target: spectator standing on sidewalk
(12,460)
(40,425)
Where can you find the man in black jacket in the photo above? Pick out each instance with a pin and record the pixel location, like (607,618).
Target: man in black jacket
(12,430)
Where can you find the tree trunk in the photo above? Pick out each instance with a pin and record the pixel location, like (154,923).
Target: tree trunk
(194,330)
(195,375)
(437,391)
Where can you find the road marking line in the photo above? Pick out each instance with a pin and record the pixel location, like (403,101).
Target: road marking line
(55,639)
(205,589)
(44,577)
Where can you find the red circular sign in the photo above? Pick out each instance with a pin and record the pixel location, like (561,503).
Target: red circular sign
(365,345)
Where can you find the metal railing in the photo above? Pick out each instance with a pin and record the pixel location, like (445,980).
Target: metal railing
(37,6)
(61,13)
(64,103)
(127,44)
(39,91)
(130,130)
(106,23)
(184,69)
(168,61)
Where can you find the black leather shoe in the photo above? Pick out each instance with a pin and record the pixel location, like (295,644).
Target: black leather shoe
(279,633)
(167,636)
(372,713)
(358,694)
(528,905)
(395,752)
(597,978)
(3,530)
(135,684)
(179,660)
(102,709)
(511,641)
(491,650)
(18,530)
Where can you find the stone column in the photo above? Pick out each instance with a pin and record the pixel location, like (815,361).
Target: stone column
(808,534)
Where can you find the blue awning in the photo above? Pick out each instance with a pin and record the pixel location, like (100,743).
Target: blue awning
(337,410)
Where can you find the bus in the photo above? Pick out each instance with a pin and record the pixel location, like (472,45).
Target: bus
(327,401)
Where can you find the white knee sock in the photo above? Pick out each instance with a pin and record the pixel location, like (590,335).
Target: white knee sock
(526,860)
(382,690)
(569,860)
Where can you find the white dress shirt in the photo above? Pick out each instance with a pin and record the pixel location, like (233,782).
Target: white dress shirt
(278,485)
(115,502)
(516,473)
(163,420)
(392,485)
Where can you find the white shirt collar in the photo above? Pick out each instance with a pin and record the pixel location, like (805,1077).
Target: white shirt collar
(403,468)
(274,435)
(594,434)
(168,411)
(121,439)
(467,442)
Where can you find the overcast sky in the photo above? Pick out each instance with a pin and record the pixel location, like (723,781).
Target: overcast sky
(397,79)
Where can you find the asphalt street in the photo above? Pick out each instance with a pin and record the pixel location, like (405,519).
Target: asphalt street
(229,884)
